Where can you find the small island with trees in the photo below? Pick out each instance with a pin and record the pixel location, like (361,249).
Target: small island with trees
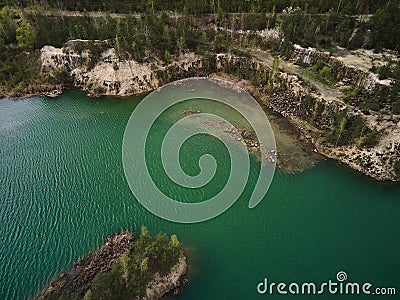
(148,267)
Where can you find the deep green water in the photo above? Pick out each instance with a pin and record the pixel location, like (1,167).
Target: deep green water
(63,192)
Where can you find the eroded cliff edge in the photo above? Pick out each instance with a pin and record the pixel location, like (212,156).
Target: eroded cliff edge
(319,114)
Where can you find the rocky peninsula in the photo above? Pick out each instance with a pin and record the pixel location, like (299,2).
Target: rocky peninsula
(122,267)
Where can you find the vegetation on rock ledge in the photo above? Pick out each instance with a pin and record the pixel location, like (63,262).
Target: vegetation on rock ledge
(132,272)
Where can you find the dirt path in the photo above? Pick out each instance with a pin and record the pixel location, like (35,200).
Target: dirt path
(325,92)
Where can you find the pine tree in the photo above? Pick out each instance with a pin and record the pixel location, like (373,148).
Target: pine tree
(26,35)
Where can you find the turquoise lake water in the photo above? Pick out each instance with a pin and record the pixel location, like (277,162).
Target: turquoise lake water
(63,192)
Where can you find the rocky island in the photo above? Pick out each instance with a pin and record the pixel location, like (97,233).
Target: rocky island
(124,268)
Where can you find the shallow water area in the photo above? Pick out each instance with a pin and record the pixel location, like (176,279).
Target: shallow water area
(63,191)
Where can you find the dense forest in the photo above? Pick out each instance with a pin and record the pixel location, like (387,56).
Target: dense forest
(350,7)
(163,29)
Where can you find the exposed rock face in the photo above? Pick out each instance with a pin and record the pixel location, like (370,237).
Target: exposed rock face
(80,277)
(374,162)
(377,162)
(109,76)
(340,70)
(116,78)
(121,78)
(286,99)
(54,58)
(171,284)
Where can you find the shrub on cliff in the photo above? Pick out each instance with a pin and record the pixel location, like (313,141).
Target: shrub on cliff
(371,139)
(397,168)
(347,129)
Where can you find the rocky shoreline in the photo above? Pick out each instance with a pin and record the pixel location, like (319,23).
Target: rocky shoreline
(284,95)
(78,280)
(376,162)
(172,283)
(50,91)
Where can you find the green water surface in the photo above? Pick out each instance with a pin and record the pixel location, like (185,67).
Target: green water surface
(63,192)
